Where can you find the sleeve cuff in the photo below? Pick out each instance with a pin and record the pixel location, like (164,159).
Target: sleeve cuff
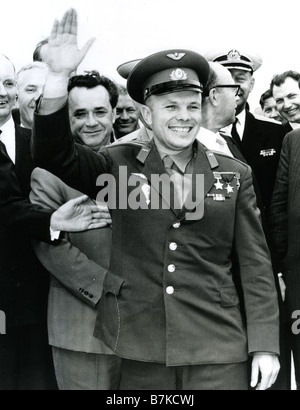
(54,235)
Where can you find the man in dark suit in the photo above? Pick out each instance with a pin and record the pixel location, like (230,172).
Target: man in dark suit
(25,356)
(170,307)
(284,226)
(259,138)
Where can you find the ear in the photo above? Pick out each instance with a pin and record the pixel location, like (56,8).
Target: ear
(213,97)
(146,114)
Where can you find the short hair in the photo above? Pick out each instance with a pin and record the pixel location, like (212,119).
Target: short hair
(280,79)
(264,97)
(37,52)
(93,79)
(30,66)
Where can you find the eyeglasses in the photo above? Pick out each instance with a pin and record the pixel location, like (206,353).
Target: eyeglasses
(235,87)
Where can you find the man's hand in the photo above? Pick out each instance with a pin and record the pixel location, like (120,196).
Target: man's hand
(63,55)
(268,366)
(77,216)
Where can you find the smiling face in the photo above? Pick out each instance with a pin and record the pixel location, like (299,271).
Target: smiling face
(246,82)
(127,117)
(91,116)
(287,97)
(270,109)
(8,90)
(175,119)
(30,87)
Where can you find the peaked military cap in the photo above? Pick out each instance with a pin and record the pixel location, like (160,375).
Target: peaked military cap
(235,59)
(125,69)
(167,72)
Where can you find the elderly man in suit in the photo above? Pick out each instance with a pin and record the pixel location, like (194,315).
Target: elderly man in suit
(259,138)
(170,307)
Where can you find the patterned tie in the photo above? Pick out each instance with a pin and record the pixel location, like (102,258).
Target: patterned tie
(235,134)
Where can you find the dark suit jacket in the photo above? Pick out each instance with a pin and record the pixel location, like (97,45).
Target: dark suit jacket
(285,218)
(260,136)
(201,321)
(23,282)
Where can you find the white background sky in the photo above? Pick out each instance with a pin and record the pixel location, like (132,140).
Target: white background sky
(130,29)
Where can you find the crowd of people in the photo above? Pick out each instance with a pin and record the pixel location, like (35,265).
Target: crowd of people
(131,293)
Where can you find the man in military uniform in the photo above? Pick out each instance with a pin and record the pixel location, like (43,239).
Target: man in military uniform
(259,138)
(170,307)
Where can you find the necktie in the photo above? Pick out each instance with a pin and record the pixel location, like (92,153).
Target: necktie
(235,134)
(177,178)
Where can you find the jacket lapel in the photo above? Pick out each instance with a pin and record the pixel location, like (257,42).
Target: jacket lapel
(151,164)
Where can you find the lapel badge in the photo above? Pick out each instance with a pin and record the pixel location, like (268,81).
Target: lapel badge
(176,56)
(145,187)
(268,152)
(238,179)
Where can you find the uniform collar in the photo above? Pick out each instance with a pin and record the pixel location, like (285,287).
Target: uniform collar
(181,159)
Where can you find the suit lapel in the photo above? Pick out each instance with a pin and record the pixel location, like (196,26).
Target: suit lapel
(24,163)
(254,139)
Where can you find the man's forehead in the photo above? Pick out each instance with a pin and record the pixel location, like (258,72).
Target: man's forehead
(89,98)
(290,84)
(33,76)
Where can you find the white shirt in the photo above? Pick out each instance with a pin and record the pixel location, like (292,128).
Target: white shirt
(294,125)
(240,125)
(213,141)
(8,137)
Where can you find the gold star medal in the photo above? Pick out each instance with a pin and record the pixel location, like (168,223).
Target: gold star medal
(218,177)
(229,188)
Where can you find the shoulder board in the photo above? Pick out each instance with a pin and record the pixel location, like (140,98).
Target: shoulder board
(266,119)
(220,154)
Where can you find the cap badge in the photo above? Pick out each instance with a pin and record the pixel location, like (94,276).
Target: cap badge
(233,55)
(176,56)
(178,75)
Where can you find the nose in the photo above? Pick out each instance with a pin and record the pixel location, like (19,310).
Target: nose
(124,115)
(287,103)
(183,114)
(91,121)
(3,91)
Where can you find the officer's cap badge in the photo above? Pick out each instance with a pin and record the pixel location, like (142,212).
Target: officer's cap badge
(178,75)
(176,56)
(233,55)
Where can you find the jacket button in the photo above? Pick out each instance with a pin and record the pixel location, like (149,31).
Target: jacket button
(91,296)
(86,293)
(171,268)
(173,246)
(176,225)
(170,290)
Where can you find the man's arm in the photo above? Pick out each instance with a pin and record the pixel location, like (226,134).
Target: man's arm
(72,268)
(261,302)
(53,146)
